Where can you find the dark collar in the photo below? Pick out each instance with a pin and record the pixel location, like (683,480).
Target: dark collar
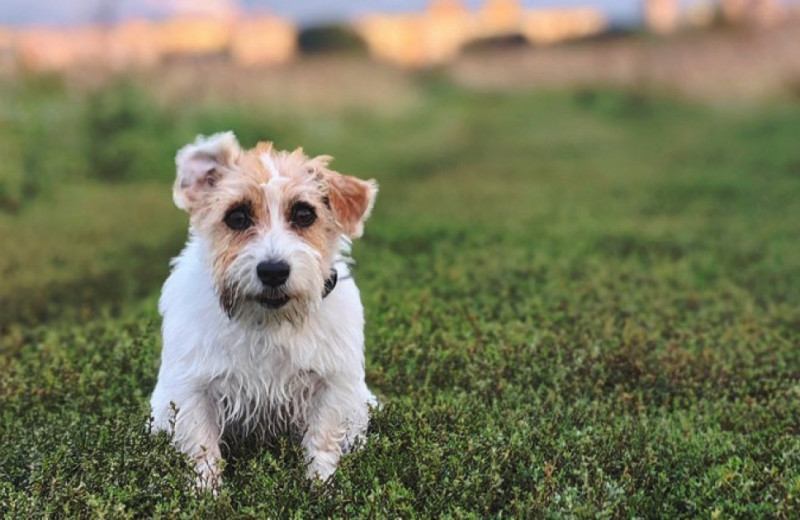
(330,283)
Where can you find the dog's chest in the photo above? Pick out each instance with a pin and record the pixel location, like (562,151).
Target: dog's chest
(265,370)
(269,390)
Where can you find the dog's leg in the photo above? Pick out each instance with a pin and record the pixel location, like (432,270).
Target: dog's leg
(322,436)
(338,416)
(192,421)
(358,420)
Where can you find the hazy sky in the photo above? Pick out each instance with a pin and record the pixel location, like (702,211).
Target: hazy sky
(15,12)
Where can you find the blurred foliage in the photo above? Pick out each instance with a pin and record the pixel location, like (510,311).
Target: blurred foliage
(330,38)
(579,304)
(38,146)
(124,134)
(497,43)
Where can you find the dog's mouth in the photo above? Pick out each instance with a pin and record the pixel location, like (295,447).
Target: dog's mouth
(273,301)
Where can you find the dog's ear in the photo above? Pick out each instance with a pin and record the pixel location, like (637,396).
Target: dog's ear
(200,165)
(351,201)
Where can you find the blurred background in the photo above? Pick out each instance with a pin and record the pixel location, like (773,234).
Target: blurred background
(690,46)
(96,96)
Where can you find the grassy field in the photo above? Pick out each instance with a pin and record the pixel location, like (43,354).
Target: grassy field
(579,304)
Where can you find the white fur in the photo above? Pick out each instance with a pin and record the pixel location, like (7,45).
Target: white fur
(220,373)
(260,370)
(269,164)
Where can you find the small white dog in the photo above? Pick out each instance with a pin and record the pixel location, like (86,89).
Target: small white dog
(263,326)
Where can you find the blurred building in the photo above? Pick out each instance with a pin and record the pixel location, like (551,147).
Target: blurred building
(7,37)
(701,13)
(667,16)
(498,18)
(45,49)
(441,32)
(254,40)
(263,40)
(134,43)
(412,40)
(7,50)
(196,35)
(557,25)
(754,12)
(662,16)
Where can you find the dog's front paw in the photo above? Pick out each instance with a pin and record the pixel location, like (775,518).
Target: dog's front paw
(322,466)
(209,477)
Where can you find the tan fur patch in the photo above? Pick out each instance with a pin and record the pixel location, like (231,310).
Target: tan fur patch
(251,164)
(351,199)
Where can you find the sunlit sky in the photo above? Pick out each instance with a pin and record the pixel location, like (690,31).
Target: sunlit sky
(26,12)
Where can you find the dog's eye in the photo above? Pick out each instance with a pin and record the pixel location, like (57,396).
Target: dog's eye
(238,218)
(302,215)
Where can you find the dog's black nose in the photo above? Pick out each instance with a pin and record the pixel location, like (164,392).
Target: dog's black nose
(273,273)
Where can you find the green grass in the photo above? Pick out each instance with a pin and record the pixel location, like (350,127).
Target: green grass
(578,304)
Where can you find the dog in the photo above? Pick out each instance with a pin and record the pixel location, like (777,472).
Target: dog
(263,326)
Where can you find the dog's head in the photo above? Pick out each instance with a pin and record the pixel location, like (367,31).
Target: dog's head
(273,221)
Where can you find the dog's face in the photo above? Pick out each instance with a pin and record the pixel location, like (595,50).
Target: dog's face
(273,221)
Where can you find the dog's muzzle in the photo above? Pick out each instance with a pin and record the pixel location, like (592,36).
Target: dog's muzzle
(273,275)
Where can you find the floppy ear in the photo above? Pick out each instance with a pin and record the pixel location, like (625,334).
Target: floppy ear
(200,165)
(351,201)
